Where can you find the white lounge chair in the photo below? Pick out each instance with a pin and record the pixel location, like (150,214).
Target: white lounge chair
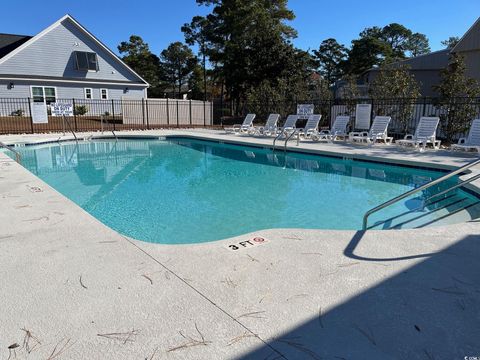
(377,132)
(243,128)
(289,125)
(270,127)
(311,127)
(425,133)
(339,129)
(472,141)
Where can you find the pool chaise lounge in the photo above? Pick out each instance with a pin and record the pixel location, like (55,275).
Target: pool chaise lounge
(244,128)
(425,133)
(472,141)
(270,127)
(339,129)
(378,131)
(289,125)
(311,127)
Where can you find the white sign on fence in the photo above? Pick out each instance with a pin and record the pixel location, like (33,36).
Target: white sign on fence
(304,110)
(39,113)
(61,109)
(362,116)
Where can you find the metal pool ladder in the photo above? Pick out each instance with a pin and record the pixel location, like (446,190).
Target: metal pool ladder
(18,157)
(426,186)
(287,138)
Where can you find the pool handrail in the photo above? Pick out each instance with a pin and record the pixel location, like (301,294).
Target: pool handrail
(420,188)
(65,121)
(18,156)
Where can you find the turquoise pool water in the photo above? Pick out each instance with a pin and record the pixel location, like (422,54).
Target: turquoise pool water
(188,191)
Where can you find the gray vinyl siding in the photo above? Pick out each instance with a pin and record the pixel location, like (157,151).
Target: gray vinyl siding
(69,91)
(472,62)
(53,55)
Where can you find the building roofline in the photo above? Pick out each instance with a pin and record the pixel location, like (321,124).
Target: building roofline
(69,80)
(82,28)
(466,33)
(408,59)
(20,35)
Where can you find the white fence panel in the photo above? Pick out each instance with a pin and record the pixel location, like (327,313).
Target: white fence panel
(166,112)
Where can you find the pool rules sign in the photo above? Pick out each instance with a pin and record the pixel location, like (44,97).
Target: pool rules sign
(39,112)
(61,109)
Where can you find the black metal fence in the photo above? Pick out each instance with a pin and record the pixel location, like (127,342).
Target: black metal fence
(94,115)
(405,112)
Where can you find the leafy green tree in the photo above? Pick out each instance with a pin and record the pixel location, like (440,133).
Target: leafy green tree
(451,42)
(458,98)
(365,53)
(197,33)
(138,56)
(418,44)
(397,38)
(377,46)
(330,56)
(395,82)
(247,40)
(196,83)
(178,63)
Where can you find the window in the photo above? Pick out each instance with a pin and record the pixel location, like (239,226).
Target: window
(44,94)
(104,94)
(86,61)
(88,93)
(37,94)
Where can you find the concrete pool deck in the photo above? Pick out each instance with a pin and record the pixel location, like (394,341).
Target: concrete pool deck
(71,288)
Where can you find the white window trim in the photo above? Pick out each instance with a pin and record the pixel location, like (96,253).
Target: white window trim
(106,92)
(85,93)
(43,89)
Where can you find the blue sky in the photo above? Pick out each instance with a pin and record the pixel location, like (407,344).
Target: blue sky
(159,22)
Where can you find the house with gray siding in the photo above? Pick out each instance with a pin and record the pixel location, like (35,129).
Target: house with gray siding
(426,68)
(64,61)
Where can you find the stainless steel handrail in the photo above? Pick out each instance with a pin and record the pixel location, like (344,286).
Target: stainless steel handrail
(18,156)
(113,132)
(276,138)
(288,138)
(70,127)
(420,188)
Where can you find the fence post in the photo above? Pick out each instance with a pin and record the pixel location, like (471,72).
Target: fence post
(143,111)
(221,110)
(190,110)
(330,115)
(146,107)
(373,110)
(113,114)
(211,114)
(424,105)
(204,113)
(74,115)
(168,113)
(31,117)
(177,113)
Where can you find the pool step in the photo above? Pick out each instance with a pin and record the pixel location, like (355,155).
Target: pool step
(447,210)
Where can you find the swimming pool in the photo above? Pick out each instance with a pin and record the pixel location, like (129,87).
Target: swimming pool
(181,190)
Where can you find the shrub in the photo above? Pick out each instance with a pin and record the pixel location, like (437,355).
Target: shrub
(458,101)
(80,110)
